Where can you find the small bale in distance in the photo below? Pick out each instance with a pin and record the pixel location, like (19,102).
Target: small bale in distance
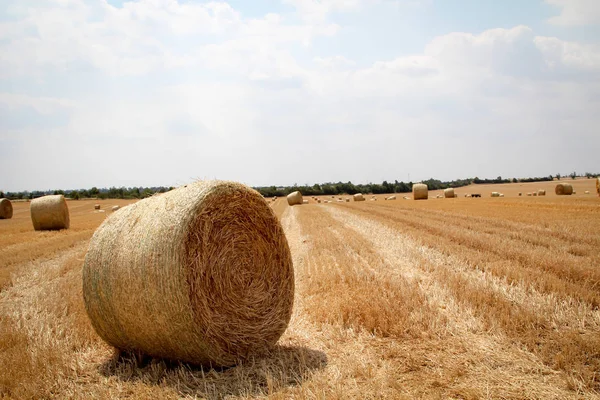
(318,201)
(449,193)
(501,194)
(50,213)
(391,198)
(294,198)
(347,199)
(520,194)
(541,192)
(420,191)
(358,197)
(200,274)
(528,194)
(587,192)
(6,209)
(115,208)
(495,194)
(534,194)
(96,206)
(304,201)
(563,189)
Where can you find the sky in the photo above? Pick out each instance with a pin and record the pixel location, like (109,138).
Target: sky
(280,92)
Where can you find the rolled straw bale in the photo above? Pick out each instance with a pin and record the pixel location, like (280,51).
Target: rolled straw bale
(391,198)
(358,197)
(501,194)
(115,208)
(541,192)
(587,192)
(455,195)
(534,193)
(495,194)
(520,194)
(574,192)
(347,199)
(304,201)
(6,209)
(50,213)
(318,201)
(598,185)
(528,194)
(420,191)
(96,206)
(294,198)
(563,189)
(201,274)
(449,193)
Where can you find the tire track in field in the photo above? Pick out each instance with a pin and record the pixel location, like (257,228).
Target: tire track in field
(519,310)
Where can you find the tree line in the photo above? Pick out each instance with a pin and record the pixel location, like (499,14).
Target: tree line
(272,191)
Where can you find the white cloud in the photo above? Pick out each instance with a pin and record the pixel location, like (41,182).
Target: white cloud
(576,12)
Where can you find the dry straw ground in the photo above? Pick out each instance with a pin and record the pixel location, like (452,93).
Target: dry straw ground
(445,298)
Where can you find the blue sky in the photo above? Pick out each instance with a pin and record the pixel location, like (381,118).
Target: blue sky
(161,92)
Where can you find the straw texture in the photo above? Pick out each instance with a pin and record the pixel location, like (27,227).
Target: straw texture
(201,274)
(294,198)
(50,213)
(420,191)
(358,197)
(563,189)
(6,209)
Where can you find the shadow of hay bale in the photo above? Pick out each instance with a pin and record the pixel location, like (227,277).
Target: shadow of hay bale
(282,367)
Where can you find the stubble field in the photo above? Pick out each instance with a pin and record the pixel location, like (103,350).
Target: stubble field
(445,298)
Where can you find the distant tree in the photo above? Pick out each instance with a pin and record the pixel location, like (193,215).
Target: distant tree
(59,192)
(2,194)
(573,175)
(514,180)
(94,191)
(557,177)
(75,195)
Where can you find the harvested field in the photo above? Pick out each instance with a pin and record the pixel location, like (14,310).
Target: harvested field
(470,298)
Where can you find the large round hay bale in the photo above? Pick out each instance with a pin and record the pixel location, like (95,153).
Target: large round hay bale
(49,213)
(598,185)
(563,189)
(358,197)
(96,206)
(541,192)
(495,194)
(449,193)
(420,191)
(294,198)
(201,274)
(6,209)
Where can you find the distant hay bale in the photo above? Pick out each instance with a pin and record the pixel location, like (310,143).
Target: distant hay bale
(449,193)
(50,213)
(528,194)
(501,194)
(587,192)
(495,194)
(318,201)
(200,274)
(96,206)
(541,192)
(520,194)
(358,197)
(304,201)
(420,191)
(391,198)
(347,199)
(574,192)
(6,209)
(115,208)
(563,189)
(534,193)
(294,198)
(455,195)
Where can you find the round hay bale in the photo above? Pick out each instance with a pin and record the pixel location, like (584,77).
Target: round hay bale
(534,193)
(96,206)
(520,194)
(563,189)
(449,193)
(541,192)
(50,213)
(115,208)
(201,274)
(391,198)
(420,191)
(6,209)
(318,201)
(574,192)
(528,194)
(598,185)
(347,199)
(358,197)
(294,198)
(501,194)
(587,192)
(495,194)
(304,201)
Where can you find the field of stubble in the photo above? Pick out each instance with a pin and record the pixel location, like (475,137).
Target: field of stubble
(445,298)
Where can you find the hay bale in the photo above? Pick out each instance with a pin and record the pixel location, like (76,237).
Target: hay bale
(563,189)
(50,213)
(541,192)
(358,197)
(115,208)
(318,201)
(501,194)
(420,191)
(520,194)
(534,193)
(598,185)
(574,192)
(6,209)
(201,274)
(587,192)
(528,194)
(449,193)
(495,194)
(304,201)
(96,206)
(347,199)
(294,198)
(391,198)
